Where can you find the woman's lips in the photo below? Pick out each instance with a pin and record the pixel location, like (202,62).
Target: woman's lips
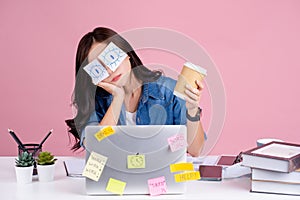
(116,78)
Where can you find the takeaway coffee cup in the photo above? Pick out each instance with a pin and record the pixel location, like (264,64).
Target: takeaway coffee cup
(189,74)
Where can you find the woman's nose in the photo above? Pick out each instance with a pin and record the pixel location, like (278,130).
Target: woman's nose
(109,71)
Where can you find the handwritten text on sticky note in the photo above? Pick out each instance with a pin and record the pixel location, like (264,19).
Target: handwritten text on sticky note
(187,176)
(181,167)
(104,132)
(94,166)
(136,161)
(177,142)
(116,186)
(157,186)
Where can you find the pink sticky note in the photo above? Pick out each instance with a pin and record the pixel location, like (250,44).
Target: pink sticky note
(177,142)
(157,186)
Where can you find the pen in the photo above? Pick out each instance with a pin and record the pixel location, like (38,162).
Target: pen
(238,158)
(12,133)
(40,145)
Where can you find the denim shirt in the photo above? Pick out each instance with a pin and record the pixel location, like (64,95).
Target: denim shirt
(157,106)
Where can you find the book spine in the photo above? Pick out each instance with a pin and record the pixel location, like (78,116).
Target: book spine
(266,175)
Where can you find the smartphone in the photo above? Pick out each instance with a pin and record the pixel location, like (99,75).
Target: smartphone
(225,160)
(210,172)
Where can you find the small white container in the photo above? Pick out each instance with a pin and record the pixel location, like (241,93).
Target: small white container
(24,174)
(46,172)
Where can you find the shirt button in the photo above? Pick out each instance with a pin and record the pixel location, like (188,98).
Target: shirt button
(138,120)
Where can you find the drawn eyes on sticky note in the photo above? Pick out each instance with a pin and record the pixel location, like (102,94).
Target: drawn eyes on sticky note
(135,161)
(96,71)
(112,56)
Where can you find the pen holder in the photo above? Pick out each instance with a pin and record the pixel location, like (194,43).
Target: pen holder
(35,149)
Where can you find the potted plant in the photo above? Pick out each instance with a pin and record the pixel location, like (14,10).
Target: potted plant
(24,167)
(45,166)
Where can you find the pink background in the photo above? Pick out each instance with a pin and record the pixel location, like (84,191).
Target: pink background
(255,45)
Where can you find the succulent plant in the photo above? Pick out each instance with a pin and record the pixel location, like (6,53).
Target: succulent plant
(25,160)
(45,158)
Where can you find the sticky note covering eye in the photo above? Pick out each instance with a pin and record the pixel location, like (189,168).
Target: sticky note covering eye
(157,186)
(187,176)
(104,132)
(94,166)
(136,161)
(177,142)
(112,56)
(181,167)
(116,186)
(96,71)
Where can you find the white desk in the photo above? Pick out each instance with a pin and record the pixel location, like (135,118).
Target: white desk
(68,188)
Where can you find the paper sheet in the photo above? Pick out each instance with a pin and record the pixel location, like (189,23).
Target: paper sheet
(74,167)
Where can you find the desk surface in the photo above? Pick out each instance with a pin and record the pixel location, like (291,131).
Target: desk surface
(64,187)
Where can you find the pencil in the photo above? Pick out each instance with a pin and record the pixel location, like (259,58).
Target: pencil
(40,145)
(12,133)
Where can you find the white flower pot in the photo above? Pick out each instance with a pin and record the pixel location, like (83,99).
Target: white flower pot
(24,174)
(46,172)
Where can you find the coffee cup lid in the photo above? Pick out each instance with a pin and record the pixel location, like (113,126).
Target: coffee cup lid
(196,68)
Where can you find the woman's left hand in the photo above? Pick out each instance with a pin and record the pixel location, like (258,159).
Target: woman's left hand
(193,96)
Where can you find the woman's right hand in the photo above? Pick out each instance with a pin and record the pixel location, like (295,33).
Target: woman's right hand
(116,91)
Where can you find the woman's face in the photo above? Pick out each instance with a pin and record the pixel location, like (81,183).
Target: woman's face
(121,75)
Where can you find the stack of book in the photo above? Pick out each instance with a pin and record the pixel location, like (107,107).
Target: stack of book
(275,168)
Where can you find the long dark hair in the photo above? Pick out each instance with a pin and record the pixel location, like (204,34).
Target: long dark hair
(83,98)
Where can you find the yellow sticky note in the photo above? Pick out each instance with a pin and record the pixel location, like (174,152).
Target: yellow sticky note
(136,161)
(104,132)
(187,176)
(115,186)
(181,167)
(94,166)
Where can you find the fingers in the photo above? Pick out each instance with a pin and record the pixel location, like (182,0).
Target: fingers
(200,85)
(112,89)
(193,95)
(106,86)
(190,103)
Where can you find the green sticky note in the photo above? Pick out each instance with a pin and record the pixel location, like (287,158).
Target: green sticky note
(136,161)
(115,186)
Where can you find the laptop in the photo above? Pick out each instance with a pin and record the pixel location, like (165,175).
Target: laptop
(148,140)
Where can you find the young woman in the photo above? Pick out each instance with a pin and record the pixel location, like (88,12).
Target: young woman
(130,95)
